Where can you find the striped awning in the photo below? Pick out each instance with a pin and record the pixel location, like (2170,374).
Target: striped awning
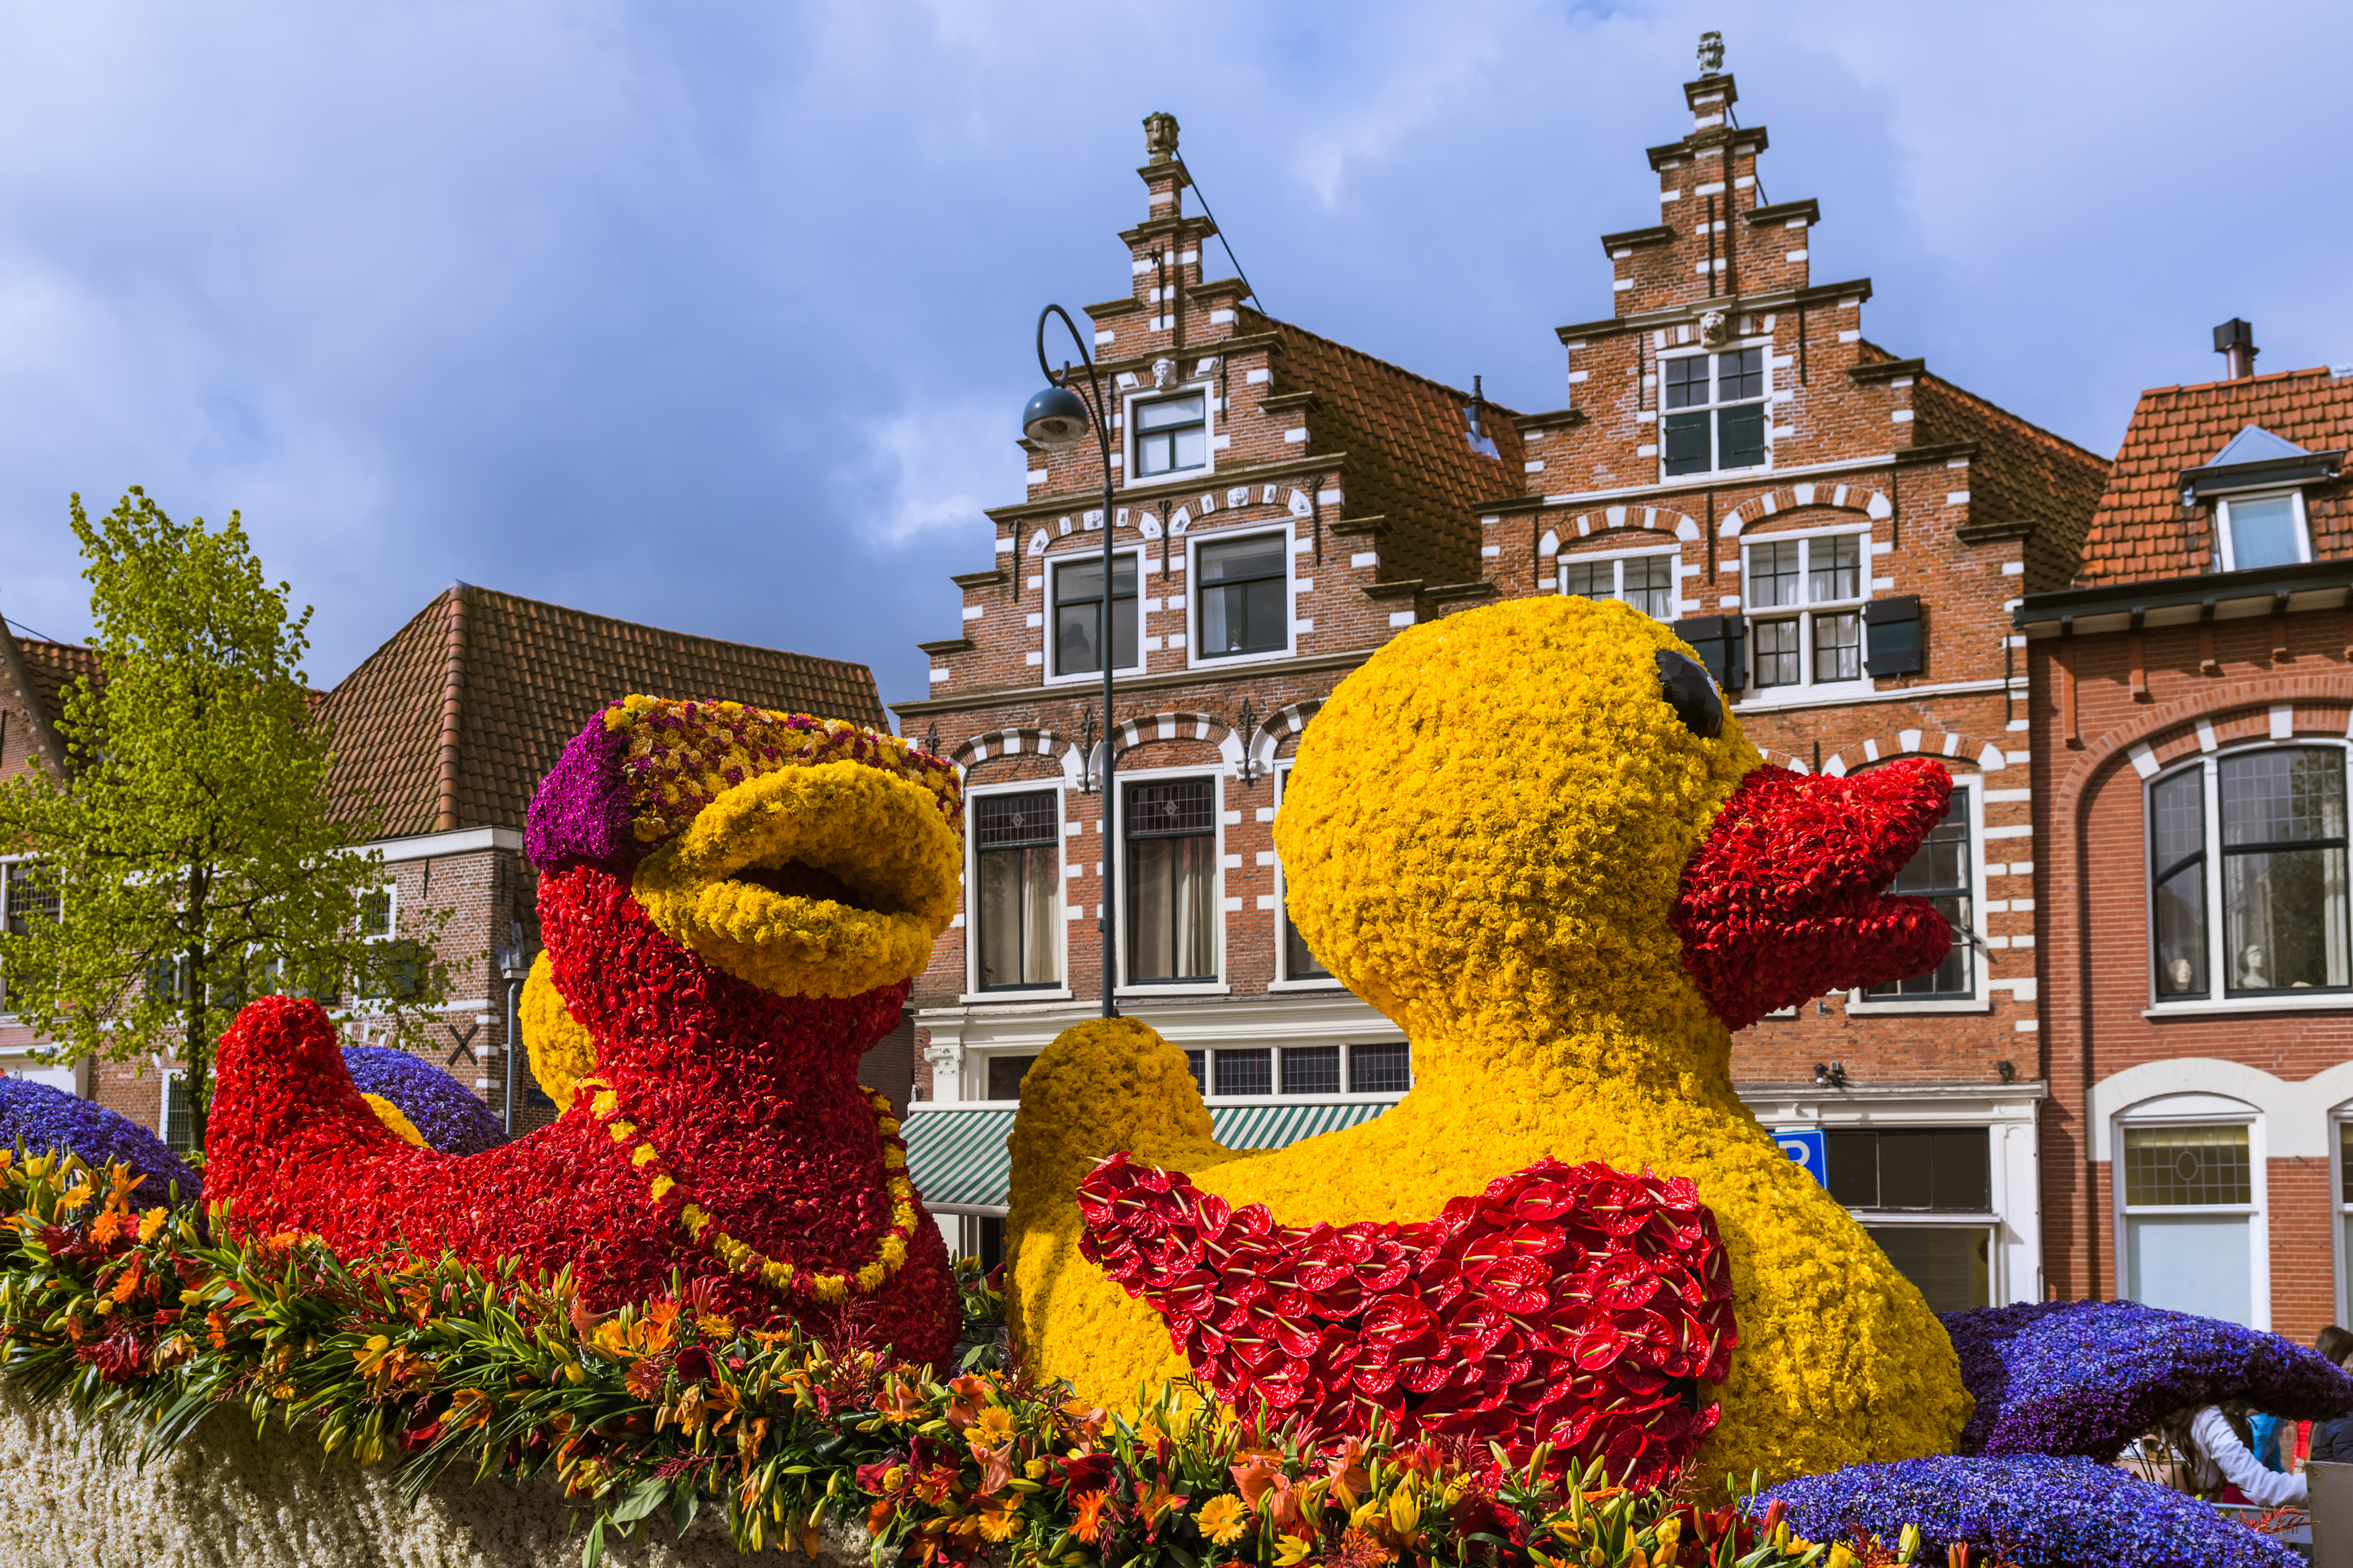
(959,1164)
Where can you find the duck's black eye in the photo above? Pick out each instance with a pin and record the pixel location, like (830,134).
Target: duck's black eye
(1691,694)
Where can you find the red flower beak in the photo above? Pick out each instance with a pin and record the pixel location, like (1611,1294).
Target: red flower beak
(1784,902)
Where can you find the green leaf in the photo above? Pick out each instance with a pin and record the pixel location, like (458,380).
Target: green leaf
(685,1503)
(643,1499)
(593,1552)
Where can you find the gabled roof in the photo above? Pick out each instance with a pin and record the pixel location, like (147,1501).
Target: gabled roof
(2254,444)
(452,722)
(2141,529)
(1410,461)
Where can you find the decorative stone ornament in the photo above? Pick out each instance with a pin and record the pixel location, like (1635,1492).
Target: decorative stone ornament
(1164,372)
(1160,137)
(1715,328)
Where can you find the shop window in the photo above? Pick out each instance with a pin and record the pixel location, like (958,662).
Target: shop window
(1243,589)
(1017,892)
(1250,1072)
(1005,1075)
(1645,582)
(1952,1265)
(1172,435)
(1311,1069)
(1383,1068)
(2189,1215)
(1941,871)
(1714,412)
(2261,531)
(1912,1168)
(2260,836)
(1172,879)
(1079,614)
(1805,598)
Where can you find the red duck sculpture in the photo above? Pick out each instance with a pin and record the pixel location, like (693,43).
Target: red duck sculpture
(734,902)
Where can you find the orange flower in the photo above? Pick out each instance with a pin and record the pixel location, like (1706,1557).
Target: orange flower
(1088,1523)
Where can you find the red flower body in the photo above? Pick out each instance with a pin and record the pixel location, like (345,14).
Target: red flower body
(1569,1304)
(751,1100)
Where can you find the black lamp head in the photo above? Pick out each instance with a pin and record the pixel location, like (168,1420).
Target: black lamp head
(1056,418)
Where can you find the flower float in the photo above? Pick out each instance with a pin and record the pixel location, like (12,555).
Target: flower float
(40,1120)
(1571,1306)
(443,1113)
(734,903)
(1531,835)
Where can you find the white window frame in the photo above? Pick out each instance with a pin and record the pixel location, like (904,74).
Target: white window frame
(1674,556)
(1221,986)
(2198,1111)
(171,1077)
(2340,1213)
(1125,455)
(1347,1096)
(1659,406)
(2224,539)
(1807,687)
(2218,997)
(1053,629)
(973,995)
(1194,543)
(1282,980)
(390,889)
(1980,999)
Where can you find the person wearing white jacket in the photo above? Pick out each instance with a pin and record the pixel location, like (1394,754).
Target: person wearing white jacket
(2224,1451)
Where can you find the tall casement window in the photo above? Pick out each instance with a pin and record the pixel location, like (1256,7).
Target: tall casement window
(1712,411)
(1172,880)
(1941,871)
(2190,1212)
(1805,611)
(2260,530)
(29,896)
(1299,962)
(1018,890)
(1078,604)
(1645,582)
(1926,1195)
(1172,435)
(2259,836)
(1243,587)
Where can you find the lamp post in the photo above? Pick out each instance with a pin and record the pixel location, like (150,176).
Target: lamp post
(1055,418)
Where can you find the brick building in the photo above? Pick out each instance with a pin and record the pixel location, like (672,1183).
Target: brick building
(2191,704)
(442,735)
(1841,532)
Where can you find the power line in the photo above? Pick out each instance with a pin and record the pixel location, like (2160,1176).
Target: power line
(1249,292)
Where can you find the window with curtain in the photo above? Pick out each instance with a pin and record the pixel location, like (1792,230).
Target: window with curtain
(1243,588)
(1941,871)
(2189,1209)
(1079,614)
(1172,877)
(1645,582)
(1804,599)
(2260,838)
(1018,890)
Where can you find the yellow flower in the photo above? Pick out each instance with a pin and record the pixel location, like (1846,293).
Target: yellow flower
(1290,1549)
(995,1422)
(152,1222)
(1405,1513)
(1223,1519)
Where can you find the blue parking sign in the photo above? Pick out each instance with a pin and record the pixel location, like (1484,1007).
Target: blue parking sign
(1810,1148)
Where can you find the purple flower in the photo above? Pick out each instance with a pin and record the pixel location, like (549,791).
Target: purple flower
(2030,1509)
(581,809)
(42,1118)
(2086,1377)
(445,1112)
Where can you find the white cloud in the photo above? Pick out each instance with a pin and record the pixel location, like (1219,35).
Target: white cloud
(928,471)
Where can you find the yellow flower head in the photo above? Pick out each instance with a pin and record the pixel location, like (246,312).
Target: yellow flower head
(1223,1519)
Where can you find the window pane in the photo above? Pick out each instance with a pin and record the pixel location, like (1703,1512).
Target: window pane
(2171,1167)
(1243,560)
(1650,585)
(1298,962)
(1964,1168)
(1907,1169)
(1386,1068)
(2290,796)
(1078,599)
(2283,918)
(375,913)
(2191,1263)
(2263,532)
(1192,448)
(179,1117)
(1685,443)
(1168,412)
(1245,1072)
(1001,820)
(1854,1159)
(1311,1069)
(1950,1263)
(1776,653)
(1834,569)
(1172,806)
(1005,1076)
(1838,646)
(2181,932)
(1685,380)
(1590,579)
(2177,809)
(2345,1162)
(1773,575)
(1193,1064)
(1740,437)
(1080,579)
(1018,904)
(1739,374)
(1171,883)
(1939,870)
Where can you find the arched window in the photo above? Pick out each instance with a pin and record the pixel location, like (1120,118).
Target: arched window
(2247,875)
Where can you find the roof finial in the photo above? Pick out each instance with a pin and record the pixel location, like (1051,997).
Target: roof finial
(1711,53)
(1160,137)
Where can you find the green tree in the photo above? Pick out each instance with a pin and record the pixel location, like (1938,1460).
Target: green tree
(190,859)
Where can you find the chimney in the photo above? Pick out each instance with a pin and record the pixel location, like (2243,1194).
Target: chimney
(2235,340)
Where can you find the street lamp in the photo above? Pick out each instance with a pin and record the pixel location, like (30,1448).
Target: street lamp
(1056,419)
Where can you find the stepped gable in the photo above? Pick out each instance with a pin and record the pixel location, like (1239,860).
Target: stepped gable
(2143,532)
(453,721)
(1410,461)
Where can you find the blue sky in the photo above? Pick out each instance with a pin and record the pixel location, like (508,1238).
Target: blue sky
(718,316)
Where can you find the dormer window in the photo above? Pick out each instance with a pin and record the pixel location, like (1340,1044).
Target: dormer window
(1172,435)
(2253,490)
(2260,530)
(1714,411)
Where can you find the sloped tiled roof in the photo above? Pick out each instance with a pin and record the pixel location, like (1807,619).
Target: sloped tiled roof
(514,679)
(1409,456)
(2143,532)
(2022,473)
(53,666)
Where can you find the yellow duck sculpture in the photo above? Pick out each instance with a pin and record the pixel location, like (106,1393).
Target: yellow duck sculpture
(1531,836)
